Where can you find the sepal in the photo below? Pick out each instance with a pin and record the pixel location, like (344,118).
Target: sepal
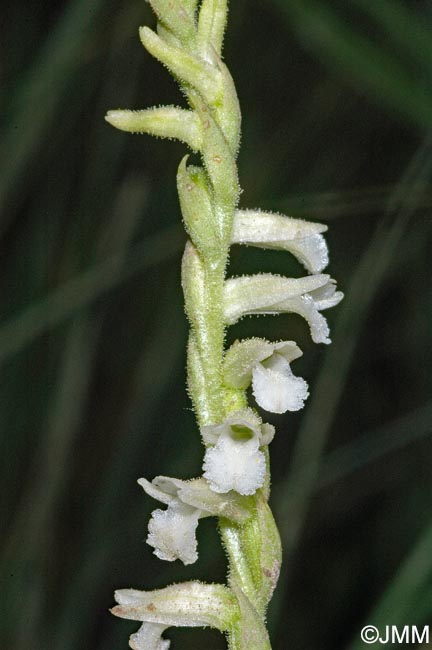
(163,122)
(268,230)
(267,366)
(234,461)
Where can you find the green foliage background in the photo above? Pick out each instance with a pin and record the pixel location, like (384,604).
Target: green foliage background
(337,108)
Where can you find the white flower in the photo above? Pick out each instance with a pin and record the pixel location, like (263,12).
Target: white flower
(272,294)
(268,230)
(188,604)
(311,304)
(172,531)
(235,461)
(267,366)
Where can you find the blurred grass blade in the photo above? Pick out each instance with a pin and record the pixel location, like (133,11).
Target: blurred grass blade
(46,480)
(36,515)
(293,498)
(329,206)
(150,383)
(374,445)
(404,27)
(39,91)
(81,291)
(406,600)
(343,47)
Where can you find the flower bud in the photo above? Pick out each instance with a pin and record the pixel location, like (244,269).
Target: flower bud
(178,16)
(188,604)
(195,72)
(164,122)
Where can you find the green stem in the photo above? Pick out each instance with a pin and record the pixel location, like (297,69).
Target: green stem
(253,550)
(209,196)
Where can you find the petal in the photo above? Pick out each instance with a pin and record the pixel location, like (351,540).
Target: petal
(326,297)
(172,533)
(274,231)
(312,252)
(305,306)
(246,419)
(267,434)
(149,637)
(235,465)
(276,389)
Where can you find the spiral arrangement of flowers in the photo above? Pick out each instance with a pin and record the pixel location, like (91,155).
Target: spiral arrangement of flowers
(234,486)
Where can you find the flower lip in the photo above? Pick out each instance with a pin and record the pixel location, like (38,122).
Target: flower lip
(234,460)
(276,388)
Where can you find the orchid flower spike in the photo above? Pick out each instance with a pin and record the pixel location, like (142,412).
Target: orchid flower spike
(172,531)
(234,460)
(268,230)
(267,366)
(188,604)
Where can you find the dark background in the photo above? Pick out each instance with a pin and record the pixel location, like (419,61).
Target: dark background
(337,116)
